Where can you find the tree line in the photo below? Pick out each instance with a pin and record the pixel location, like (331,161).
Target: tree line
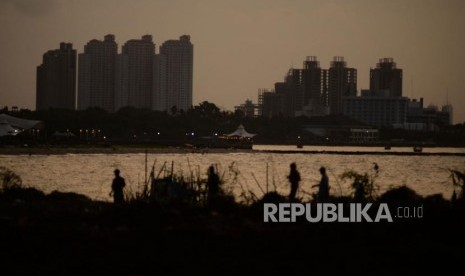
(206,120)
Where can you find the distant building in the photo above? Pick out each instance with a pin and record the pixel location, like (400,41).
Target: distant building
(97,71)
(429,118)
(313,85)
(315,92)
(437,118)
(382,105)
(136,77)
(376,108)
(56,79)
(415,111)
(294,93)
(159,96)
(332,128)
(249,109)
(179,56)
(363,135)
(386,76)
(303,93)
(447,109)
(135,73)
(342,82)
(272,103)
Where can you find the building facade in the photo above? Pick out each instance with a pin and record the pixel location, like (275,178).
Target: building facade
(314,88)
(56,79)
(386,76)
(135,73)
(342,82)
(159,96)
(376,108)
(313,91)
(179,58)
(248,109)
(272,104)
(97,74)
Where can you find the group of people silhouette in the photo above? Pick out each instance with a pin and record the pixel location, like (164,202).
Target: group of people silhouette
(118,184)
(213,183)
(294,179)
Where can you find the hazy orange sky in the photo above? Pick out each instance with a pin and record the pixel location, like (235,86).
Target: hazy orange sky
(243,45)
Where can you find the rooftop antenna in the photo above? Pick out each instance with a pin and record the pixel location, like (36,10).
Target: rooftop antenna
(411,87)
(447,96)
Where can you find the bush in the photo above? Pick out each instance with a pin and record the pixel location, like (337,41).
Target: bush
(364,186)
(458,180)
(402,195)
(9,179)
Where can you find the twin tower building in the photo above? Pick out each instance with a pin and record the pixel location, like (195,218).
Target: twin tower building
(137,77)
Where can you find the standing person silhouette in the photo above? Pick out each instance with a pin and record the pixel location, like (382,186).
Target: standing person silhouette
(323,192)
(294,179)
(117,188)
(213,184)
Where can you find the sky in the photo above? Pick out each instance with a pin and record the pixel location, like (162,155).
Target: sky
(242,46)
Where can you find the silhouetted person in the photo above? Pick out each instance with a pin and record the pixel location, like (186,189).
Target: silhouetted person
(117,188)
(323,192)
(213,183)
(294,179)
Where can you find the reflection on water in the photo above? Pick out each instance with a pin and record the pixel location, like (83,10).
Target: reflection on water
(353,149)
(91,174)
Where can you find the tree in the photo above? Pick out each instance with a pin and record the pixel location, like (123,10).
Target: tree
(174,110)
(207,109)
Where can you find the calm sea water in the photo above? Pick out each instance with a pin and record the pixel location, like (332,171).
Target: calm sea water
(91,174)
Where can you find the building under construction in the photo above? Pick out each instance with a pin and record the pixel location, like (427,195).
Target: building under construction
(310,91)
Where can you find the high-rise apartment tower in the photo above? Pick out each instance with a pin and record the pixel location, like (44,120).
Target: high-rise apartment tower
(97,69)
(179,59)
(56,79)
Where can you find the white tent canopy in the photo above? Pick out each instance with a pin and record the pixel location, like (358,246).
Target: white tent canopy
(10,125)
(6,129)
(19,123)
(240,132)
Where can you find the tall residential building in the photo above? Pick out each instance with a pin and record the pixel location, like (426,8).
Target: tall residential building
(303,92)
(342,82)
(272,103)
(97,68)
(179,56)
(314,85)
(134,73)
(56,79)
(159,83)
(386,76)
(294,94)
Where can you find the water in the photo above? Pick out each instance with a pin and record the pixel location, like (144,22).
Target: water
(91,174)
(354,149)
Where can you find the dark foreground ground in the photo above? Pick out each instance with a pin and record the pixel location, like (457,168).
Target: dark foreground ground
(68,234)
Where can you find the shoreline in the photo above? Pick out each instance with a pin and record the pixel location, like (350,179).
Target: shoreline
(112,150)
(364,152)
(127,149)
